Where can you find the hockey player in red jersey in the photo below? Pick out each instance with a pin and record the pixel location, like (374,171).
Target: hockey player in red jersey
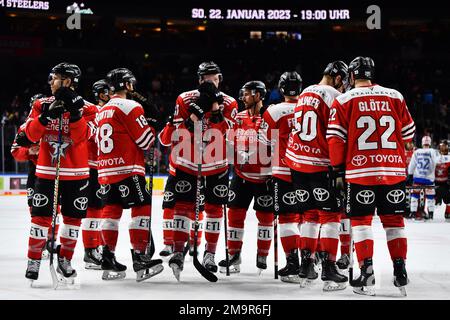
(249,182)
(368,128)
(43,125)
(443,178)
(24,150)
(91,233)
(278,123)
(308,157)
(216,111)
(123,134)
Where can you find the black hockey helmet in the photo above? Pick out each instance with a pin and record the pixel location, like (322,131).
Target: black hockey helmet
(336,68)
(101,86)
(209,67)
(117,79)
(36,97)
(362,68)
(67,70)
(254,86)
(290,83)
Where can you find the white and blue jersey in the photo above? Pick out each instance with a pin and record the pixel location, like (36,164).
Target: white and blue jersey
(423,165)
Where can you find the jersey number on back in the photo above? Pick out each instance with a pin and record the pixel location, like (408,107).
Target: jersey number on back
(105,142)
(371,126)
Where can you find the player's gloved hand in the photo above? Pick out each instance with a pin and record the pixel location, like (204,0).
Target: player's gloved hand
(338,176)
(209,94)
(216,116)
(22,139)
(194,108)
(72,100)
(52,112)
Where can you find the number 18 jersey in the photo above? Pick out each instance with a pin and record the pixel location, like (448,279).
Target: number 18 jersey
(368,132)
(122,136)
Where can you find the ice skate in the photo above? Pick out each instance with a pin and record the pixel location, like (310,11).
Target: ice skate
(290,272)
(144,266)
(234,263)
(112,270)
(176,262)
(66,274)
(92,259)
(307,270)
(167,251)
(261,263)
(333,280)
(343,262)
(208,262)
(400,276)
(365,283)
(32,272)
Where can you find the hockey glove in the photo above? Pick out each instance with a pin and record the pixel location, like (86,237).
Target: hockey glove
(197,110)
(22,139)
(409,180)
(53,112)
(209,94)
(71,99)
(216,116)
(337,178)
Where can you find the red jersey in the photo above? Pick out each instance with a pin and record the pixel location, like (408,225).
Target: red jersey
(122,136)
(89,113)
(279,117)
(367,131)
(247,138)
(442,169)
(212,162)
(74,153)
(308,148)
(22,153)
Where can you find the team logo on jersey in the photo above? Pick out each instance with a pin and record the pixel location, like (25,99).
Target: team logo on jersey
(104,189)
(359,160)
(221,190)
(395,196)
(54,154)
(81,203)
(290,198)
(321,194)
(264,201)
(365,197)
(30,192)
(39,200)
(168,196)
(183,186)
(124,191)
(302,195)
(231,195)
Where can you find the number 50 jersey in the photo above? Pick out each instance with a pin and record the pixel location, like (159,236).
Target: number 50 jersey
(367,133)
(122,136)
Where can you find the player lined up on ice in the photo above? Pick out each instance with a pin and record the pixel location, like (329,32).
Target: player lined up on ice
(324,136)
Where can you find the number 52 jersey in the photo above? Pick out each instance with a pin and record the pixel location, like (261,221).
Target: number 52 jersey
(367,133)
(122,136)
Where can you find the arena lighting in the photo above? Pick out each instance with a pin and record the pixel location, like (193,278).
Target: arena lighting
(201,28)
(12,15)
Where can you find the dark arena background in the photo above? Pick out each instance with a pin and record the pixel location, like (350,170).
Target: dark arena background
(163,43)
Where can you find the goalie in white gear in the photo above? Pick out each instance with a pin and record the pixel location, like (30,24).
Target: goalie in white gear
(421,172)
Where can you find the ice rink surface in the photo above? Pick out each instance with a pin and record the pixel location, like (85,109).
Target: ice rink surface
(428,266)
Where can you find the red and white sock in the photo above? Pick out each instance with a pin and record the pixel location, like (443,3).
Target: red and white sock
(310,230)
(200,229)
(213,223)
(344,235)
(236,218)
(167,226)
(265,232)
(110,225)
(139,228)
(362,237)
(394,226)
(69,236)
(181,224)
(40,227)
(90,228)
(289,231)
(329,233)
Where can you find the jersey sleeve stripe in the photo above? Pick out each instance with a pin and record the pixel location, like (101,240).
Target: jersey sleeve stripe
(409,137)
(335,133)
(337,127)
(143,136)
(409,132)
(407,127)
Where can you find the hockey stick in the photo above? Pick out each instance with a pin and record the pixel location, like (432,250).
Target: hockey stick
(199,141)
(225,220)
(55,202)
(151,244)
(275,230)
